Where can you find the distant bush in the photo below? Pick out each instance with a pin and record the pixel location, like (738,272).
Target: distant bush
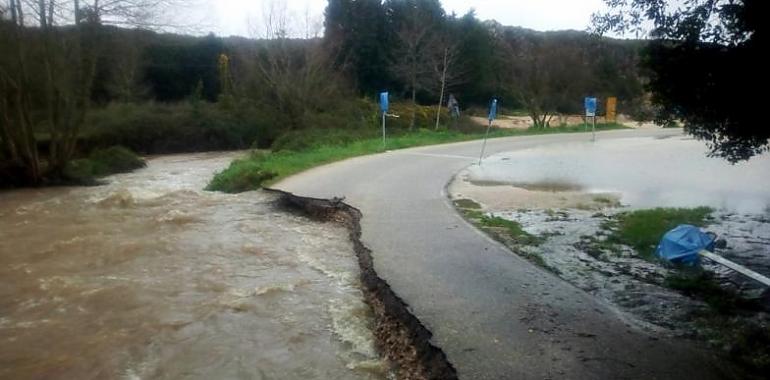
(154,128)
(100,163)
(311,138)
(116,159)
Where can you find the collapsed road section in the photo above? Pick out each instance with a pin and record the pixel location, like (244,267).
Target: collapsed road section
(400,335)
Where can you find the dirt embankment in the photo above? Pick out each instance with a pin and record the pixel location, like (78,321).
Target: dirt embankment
(400,335)
(524,122)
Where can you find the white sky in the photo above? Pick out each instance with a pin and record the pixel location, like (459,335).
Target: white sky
(244,17)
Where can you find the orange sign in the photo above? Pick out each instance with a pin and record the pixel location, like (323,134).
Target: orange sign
(612,109)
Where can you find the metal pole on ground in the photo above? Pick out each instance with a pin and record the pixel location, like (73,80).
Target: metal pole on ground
(593,130)
(384,105)
(383,130)
(484,145)
(736,267)
(492,116)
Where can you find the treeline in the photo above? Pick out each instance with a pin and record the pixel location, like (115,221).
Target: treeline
(408,47)
(70,85)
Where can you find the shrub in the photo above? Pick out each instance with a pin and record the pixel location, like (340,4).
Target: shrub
(116,159)
(154,128)
(241,175)
(102,162)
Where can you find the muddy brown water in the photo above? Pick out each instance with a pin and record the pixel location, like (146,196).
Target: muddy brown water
(149,277)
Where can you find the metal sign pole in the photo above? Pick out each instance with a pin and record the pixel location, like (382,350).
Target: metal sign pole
(383,129)
(590,106)
(492,116)
(484,146)
(384,108)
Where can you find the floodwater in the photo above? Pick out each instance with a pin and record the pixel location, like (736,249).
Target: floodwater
(151,278)
(565,194)
(647,172)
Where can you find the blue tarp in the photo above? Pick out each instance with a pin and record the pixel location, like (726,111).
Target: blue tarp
(682,244)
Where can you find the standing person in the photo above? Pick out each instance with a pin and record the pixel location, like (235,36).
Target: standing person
(453,107)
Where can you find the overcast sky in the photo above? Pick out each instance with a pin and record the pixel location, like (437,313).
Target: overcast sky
(244,17)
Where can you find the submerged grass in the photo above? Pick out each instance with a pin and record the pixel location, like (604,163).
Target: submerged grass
(512,229)
(643,229)
(467,204)
(244,174)
(744,340)
(505,231)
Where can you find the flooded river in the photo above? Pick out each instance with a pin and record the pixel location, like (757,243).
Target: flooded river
(150,277)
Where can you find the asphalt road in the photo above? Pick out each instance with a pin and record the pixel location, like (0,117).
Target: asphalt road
(495,315)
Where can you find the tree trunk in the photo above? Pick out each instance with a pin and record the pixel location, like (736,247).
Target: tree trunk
(12,5)
(42,12)
(77,12)
(443,84)
(414,107)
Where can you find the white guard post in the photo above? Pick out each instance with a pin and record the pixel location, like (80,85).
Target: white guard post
(736,267)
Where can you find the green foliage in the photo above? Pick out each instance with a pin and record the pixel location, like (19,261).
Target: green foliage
(513,230)
(116,159)
(314,138)
(153,128)
(696,55)
(643,229)
(467,204)
(359,30)
(100,163)
(701,284)
(745,341)
(242,175)
(173,70)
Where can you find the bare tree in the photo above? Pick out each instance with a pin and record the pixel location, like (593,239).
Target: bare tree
(66,63)
(446,66)
(411,62)
(295,77)
(542,75)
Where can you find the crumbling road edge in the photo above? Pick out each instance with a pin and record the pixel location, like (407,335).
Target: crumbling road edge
(403,339)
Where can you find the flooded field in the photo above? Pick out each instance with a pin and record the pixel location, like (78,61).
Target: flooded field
(671,172)
(565,194)
(151,278)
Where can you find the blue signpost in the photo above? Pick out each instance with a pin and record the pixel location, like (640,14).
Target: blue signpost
(590,106)
(384,108)
(492,116)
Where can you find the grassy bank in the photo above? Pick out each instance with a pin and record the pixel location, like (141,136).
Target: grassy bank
(307,149)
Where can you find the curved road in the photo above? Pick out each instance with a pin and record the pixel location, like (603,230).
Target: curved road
(495,315)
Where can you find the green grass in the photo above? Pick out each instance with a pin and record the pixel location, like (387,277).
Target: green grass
(702,285)
(746,341)
(643,229)
(511,228)
(467,204)
(243,175)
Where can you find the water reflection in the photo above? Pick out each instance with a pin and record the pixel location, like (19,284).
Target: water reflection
(673,172)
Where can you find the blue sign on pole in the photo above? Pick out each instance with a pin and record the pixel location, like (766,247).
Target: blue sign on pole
(590,105)
(493,110)
(384,102)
